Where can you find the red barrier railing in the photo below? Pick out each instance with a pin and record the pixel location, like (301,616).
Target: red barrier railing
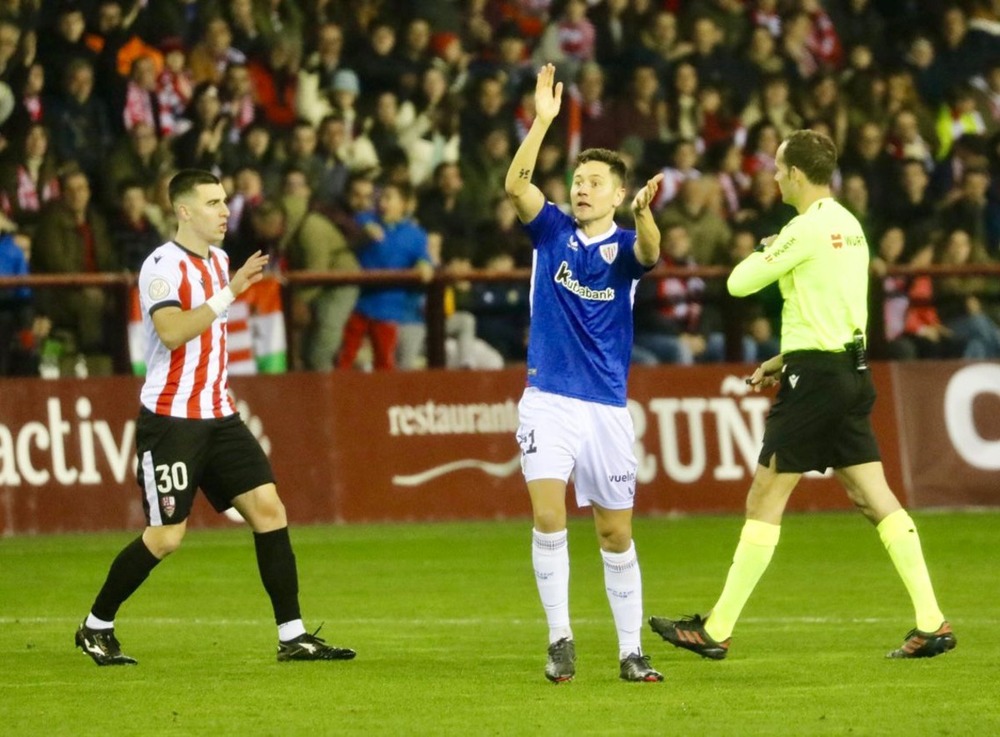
(436,288)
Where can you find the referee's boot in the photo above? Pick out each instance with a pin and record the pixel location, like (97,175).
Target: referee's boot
(920,644)
(102,646)
(561,665)
(689,633)
(310,647)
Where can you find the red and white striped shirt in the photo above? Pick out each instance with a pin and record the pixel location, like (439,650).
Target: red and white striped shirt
(190,381)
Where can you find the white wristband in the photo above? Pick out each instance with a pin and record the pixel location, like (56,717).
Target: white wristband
(220,301)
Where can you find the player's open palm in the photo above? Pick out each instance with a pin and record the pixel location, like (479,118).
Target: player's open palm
(548,94)
(249,273)
(645,195)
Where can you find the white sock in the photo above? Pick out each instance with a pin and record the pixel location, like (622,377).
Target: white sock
(291,630)
(550,558)
(624,586)
(94,623)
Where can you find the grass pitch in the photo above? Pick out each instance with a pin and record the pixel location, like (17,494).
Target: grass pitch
(451,638)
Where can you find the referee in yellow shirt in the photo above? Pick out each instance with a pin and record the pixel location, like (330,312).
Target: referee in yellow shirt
(822,415)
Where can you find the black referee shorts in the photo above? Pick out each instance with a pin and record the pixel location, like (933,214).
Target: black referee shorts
(177,456)
(822,415)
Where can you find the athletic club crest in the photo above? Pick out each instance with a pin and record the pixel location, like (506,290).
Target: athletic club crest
(609,251)
(169,504)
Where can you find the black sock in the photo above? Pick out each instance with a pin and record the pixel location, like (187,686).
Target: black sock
(276,563)
(128,570)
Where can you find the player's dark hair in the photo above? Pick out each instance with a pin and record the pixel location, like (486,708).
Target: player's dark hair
(617,164)
(184,182)
(813,153)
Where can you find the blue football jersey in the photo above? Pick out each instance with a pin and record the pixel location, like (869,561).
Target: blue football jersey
(582,291)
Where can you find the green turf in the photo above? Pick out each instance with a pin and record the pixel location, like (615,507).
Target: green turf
(451,638)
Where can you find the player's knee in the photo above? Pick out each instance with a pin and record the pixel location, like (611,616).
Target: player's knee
(549,520)
(614,540)
(162,541)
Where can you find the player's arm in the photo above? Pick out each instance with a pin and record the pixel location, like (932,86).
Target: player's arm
(647,243)
(175,326)
(528,199)
(766,265)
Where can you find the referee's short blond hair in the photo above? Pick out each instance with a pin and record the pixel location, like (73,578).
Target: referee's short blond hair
(813,153)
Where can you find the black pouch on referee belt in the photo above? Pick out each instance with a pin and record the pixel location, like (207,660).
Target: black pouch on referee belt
(857,349)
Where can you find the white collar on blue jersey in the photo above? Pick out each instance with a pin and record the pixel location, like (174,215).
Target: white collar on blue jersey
(603,236)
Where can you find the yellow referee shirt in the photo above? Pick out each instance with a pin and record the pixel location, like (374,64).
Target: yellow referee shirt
(820,260)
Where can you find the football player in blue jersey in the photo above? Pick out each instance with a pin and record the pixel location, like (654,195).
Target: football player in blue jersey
(573,419)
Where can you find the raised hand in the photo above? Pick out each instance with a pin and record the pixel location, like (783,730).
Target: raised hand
(645,195)
(249,273)
(548,99)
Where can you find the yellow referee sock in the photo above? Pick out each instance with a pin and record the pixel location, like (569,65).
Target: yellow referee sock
(753,554)
(900,538)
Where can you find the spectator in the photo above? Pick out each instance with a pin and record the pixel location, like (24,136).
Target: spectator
(256,150)
(133,234)
(327,58)
(868,156)
(63,47)
(774,106)
(377,66)
(247,34)
(906,142)
(30,105)
(239,100)
(397,243)
(682,104)
(488,110)
(963,301)
(312,242)
(683,166)
(617,34)
(72,238)
(958,117)
(174,88)
(300,153)
(670,319)
(854,197)
(912,208)
(415,56)
(660,43)
(707,231)
(383,129)
(443,213)
(180,19)
(136,157)
(80,126)
(137,97)
(766,213)
(278,17)
(484,172)
(587,104)
(213,53)
(975,211)
(274,79)
(824,103)
(859,23)
(432,138)
(201,146)
(716,65)
(569,41)
(21,332)
(641,113)
(29,180)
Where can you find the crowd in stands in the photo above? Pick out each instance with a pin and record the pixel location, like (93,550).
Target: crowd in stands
(355,134)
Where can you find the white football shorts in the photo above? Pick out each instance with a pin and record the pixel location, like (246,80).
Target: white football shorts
(562,437)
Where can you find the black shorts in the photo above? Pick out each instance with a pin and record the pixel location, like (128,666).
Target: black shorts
(822,416)
(177,456)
